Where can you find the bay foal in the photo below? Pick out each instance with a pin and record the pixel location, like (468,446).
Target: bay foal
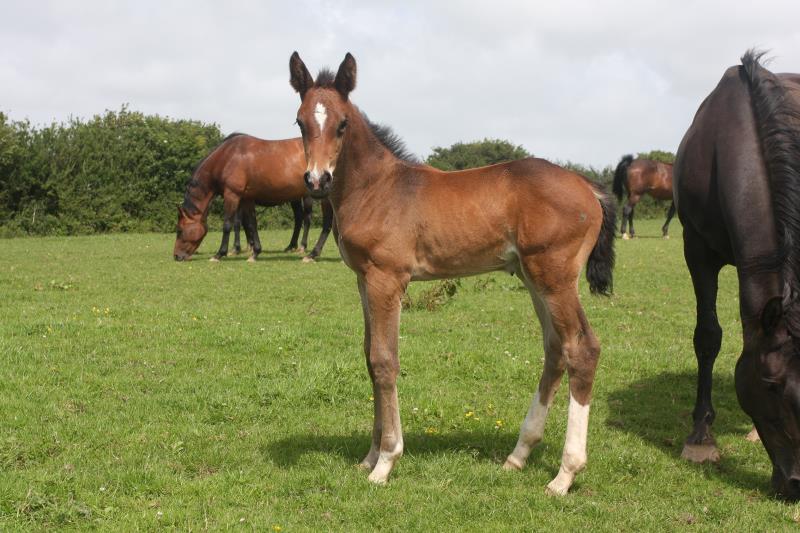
(400,221)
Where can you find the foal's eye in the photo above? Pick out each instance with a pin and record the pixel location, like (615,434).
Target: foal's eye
(341,128)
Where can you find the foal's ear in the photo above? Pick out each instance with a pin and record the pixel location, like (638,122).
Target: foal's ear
(300,77)
(346,77)
(771,315)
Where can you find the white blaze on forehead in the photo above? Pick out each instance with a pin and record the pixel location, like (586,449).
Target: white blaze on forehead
(320,113)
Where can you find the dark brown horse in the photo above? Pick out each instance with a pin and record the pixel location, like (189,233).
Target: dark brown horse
(737,189)
(246,172)
(640,177)
(527,217)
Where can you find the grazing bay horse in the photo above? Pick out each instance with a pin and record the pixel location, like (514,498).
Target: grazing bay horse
(737,189)
(639,177)
(400,221)
(247,171)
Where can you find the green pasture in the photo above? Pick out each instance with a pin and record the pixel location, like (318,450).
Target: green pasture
(137,393)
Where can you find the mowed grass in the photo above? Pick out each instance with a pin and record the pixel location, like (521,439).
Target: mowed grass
(137,393)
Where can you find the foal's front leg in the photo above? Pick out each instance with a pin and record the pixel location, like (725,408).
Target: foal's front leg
(383,300)
(371,459)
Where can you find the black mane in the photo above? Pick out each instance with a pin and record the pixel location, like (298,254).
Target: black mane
(325,79)
(391,141)
(777,115)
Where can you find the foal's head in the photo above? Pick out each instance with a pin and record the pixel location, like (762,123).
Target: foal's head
(768,388)
(323,118)
(190,232)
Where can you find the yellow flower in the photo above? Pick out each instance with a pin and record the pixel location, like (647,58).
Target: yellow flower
(431,431)
(498,424)
(276,527)
(469,414)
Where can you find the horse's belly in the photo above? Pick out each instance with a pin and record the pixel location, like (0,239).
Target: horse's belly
(464,263)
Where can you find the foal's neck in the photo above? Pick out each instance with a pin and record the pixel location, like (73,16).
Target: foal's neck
(365,166)
(199,194)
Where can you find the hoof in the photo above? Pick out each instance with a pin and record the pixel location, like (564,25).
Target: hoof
(251,259)
(666,237)
(625,236)
(512,464)
(301,250)
(753,436)
(214,259)
(555,489)
(308,259)
(700,453)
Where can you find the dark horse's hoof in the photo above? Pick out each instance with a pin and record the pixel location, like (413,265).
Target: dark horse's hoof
(309,259)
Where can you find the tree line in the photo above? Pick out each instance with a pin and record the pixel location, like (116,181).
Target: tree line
(126,171)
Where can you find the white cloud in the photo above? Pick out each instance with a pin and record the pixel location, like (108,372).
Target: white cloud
(579,80)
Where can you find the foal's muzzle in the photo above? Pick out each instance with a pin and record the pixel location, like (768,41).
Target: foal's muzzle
(318,186)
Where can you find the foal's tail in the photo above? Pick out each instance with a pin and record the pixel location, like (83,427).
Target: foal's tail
(600,267)
(620,176)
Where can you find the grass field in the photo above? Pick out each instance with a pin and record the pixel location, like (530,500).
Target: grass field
(138,393)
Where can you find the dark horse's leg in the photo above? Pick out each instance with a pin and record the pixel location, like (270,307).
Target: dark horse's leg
(237,226)
(251,230)
(231,206)
(704,266)
(297,211)
(308,209)
(327,222)
(245,213)
(670,214)
(627,215)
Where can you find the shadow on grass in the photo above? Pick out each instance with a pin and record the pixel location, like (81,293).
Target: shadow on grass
(484,446)
(657,409)
(266,257)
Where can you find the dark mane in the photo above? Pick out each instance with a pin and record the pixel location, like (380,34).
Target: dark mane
(325,79)
(777,116)
(389,139)
(195,185)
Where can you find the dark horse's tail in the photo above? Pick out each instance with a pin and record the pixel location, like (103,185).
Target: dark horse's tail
(620,176)
(777,116)
(600,267)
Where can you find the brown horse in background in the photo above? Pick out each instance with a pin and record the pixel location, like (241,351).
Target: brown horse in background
(401,221)
(247,171)
(640,177)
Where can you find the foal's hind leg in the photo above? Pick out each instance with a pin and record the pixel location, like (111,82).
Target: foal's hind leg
(581,351)
(532,430)
(704,266)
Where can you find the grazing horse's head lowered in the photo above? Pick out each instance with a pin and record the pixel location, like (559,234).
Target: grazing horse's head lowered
(323,119)
(190,231)
(737,190)
(768,388)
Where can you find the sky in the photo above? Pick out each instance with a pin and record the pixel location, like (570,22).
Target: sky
(582,81)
